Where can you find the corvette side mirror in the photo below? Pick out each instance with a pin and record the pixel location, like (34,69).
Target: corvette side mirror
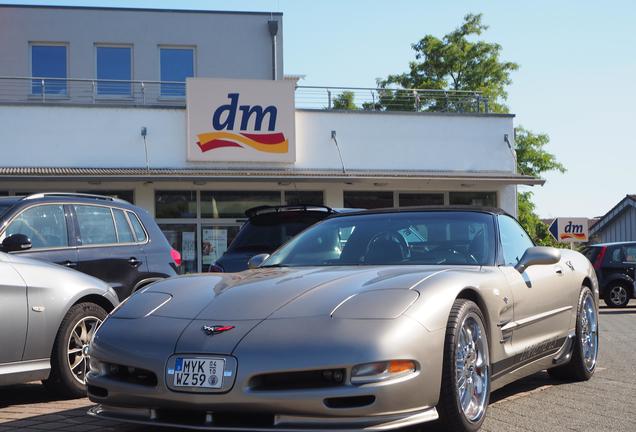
(538,255)
(16,242)
(256,261)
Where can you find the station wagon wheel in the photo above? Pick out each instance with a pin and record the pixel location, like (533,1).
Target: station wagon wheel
(77,351)
(69,358)
(617,295)
(465,390)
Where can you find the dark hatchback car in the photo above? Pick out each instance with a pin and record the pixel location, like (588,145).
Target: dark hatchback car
(104,237)
(614,264)
(266,229)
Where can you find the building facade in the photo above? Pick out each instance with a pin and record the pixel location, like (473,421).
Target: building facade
(618,224)
(99,103)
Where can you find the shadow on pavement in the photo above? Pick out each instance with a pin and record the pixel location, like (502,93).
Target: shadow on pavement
(25,394)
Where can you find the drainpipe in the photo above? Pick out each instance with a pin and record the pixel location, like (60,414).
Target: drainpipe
(272,24)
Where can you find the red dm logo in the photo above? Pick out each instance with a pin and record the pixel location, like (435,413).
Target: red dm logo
(223,136)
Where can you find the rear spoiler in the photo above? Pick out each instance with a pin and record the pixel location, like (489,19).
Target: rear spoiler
(255,211)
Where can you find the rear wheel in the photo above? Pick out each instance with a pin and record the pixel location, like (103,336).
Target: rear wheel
(465,388)
(582,364)
(617,295)
(69,359)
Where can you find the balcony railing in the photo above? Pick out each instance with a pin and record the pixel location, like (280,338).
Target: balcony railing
(74,91)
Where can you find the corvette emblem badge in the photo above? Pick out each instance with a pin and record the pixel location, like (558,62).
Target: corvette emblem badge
(213,330)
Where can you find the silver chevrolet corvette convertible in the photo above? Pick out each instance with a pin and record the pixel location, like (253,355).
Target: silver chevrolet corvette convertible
(374,320)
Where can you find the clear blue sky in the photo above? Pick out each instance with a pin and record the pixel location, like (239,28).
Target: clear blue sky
(577,80)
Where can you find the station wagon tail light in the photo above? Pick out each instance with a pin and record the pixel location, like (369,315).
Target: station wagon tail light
(599,257)
(176,257)
(381,371)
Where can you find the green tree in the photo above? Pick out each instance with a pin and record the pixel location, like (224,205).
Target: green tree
(534,160)
(455,62)
(344,101)
(459,61)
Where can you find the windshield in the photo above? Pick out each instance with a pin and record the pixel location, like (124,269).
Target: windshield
(265,233)
(432,237)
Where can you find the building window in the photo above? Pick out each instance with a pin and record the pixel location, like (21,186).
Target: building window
(177,64)
(421,199)
(49,61)
(175,204)
(232,204)
(304,197)
(481,199)
(183,238)
(114,70)
(368,200)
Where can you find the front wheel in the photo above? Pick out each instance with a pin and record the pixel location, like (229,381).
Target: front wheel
(616,295)
(69,359)
(582,364)
(465,388)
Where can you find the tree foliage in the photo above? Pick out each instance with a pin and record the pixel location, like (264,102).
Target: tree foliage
(460,61)
(344,101)
(455,62)
(534,160)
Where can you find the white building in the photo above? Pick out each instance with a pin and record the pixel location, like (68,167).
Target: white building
(123,130)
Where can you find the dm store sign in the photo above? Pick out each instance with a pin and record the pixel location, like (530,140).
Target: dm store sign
(240,120)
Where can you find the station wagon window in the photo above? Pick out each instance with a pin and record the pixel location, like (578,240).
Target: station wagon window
(140,233)
(124,233)
(45,225)
(49,61)
(96,225)
(114,70)
(514,240)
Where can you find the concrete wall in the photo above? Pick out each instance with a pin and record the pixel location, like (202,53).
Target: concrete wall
(97,136)
(228,44)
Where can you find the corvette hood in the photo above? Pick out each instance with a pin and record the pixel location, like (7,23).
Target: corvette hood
(244,300)
(277,292)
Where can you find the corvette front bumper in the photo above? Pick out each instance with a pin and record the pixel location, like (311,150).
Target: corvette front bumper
(278,422)
(340,344)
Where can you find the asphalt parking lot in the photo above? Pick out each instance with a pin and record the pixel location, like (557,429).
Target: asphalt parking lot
(537,403)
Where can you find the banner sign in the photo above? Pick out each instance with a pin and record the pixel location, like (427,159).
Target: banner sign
(570,230)
(232,120)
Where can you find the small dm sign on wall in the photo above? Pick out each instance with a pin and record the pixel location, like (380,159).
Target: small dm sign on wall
(240,120)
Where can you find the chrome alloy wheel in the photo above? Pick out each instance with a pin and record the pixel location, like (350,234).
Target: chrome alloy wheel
(618,295)
(472,368)
(77,351)
(589,333)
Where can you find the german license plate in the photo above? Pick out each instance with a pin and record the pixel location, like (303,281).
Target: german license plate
(199,372)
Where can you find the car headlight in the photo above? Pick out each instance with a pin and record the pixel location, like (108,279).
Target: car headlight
(381,371)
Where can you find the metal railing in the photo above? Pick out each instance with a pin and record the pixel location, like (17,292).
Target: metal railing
(38,90)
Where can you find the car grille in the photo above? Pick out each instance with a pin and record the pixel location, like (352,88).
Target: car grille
(131,375)
(298,380)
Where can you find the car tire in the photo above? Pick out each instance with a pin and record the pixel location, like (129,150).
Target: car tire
(466,367)
(69,360)
(617,295)
(582,364)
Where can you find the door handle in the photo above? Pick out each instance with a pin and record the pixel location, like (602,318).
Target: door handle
(559,271)
(134,261)
(70,264)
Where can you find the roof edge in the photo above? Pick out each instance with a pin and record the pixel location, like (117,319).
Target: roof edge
(137,9)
